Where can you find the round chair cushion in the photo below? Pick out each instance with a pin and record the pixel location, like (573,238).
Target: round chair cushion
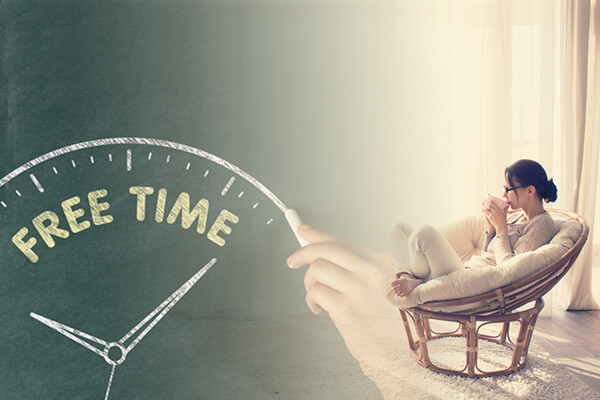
(466,237)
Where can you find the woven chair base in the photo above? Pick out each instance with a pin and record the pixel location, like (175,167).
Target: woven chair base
(469,328)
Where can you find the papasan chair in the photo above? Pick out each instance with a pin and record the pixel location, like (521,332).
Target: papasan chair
(508,293)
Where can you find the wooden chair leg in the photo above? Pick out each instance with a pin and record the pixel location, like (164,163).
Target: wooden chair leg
(531,327)
(525,334)
(411,342)
(427,328)
(529,334)
(422,340)
(471,346)
(520,344)
(504,332)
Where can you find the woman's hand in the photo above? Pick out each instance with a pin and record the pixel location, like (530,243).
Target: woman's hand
(485,209)
(348,281)
(343,278)
(496,217)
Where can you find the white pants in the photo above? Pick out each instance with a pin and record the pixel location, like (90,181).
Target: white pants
(424,252)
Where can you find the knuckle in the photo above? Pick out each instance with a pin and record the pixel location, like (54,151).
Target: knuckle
(330,247)
(318,263)
(308,297)
(311,294)
(310,278)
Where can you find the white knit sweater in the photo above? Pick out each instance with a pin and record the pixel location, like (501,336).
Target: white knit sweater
(522,235)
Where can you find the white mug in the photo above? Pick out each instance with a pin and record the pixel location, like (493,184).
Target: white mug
(496,200)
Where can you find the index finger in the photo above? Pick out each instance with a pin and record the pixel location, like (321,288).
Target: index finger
(334,252)
(313,235)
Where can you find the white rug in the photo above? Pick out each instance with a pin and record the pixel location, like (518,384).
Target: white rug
(542,378)
(314,363)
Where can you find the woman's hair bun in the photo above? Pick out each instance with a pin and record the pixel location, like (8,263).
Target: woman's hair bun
(550,194)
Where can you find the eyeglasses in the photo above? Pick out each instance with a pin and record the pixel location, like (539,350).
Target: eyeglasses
(508,189)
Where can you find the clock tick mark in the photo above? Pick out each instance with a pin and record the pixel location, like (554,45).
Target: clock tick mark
(149,156)
(91,159)
(255,205)
(269,221)
(37,183)
(168,158)
(206,173)
(227,186)
(3,204)
(73,164)
(55,170)
(110,157)
(128,159)
(18,193)
(187,167)
(241,194)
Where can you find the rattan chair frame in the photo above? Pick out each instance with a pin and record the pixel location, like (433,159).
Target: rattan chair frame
(502,306)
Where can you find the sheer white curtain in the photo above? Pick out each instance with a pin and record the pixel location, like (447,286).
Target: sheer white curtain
(580,104)
(505,89)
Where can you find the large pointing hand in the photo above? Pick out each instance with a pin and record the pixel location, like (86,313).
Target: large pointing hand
(164,308)
(348,281)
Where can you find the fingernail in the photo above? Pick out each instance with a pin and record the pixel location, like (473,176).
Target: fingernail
(291,263)
(303,227)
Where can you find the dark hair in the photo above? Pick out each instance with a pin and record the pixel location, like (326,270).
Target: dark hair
(529,172)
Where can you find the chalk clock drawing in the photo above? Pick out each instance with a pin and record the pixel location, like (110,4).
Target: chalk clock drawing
(58,212)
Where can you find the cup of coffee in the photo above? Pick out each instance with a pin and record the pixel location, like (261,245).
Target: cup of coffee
(496,200)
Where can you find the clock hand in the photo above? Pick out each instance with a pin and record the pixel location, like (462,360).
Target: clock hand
(112,373)
(164,307)
(71,333)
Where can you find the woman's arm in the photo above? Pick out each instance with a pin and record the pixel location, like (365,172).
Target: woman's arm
(502,248)
(488,238)
(535,234)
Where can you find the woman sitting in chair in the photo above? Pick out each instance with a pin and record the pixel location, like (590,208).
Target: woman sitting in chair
(425,254)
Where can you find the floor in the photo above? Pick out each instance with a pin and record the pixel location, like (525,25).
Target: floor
(573,338)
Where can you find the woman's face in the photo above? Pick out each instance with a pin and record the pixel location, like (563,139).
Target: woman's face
(512,198)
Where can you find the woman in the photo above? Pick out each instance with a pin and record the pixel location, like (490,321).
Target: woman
(425,254)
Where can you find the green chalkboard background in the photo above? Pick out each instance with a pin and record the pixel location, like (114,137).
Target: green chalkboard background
(260,84)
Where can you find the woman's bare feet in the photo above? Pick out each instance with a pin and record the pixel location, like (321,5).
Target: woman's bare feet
(405,284)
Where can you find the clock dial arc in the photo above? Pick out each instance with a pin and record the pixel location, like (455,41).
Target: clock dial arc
(150,142)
